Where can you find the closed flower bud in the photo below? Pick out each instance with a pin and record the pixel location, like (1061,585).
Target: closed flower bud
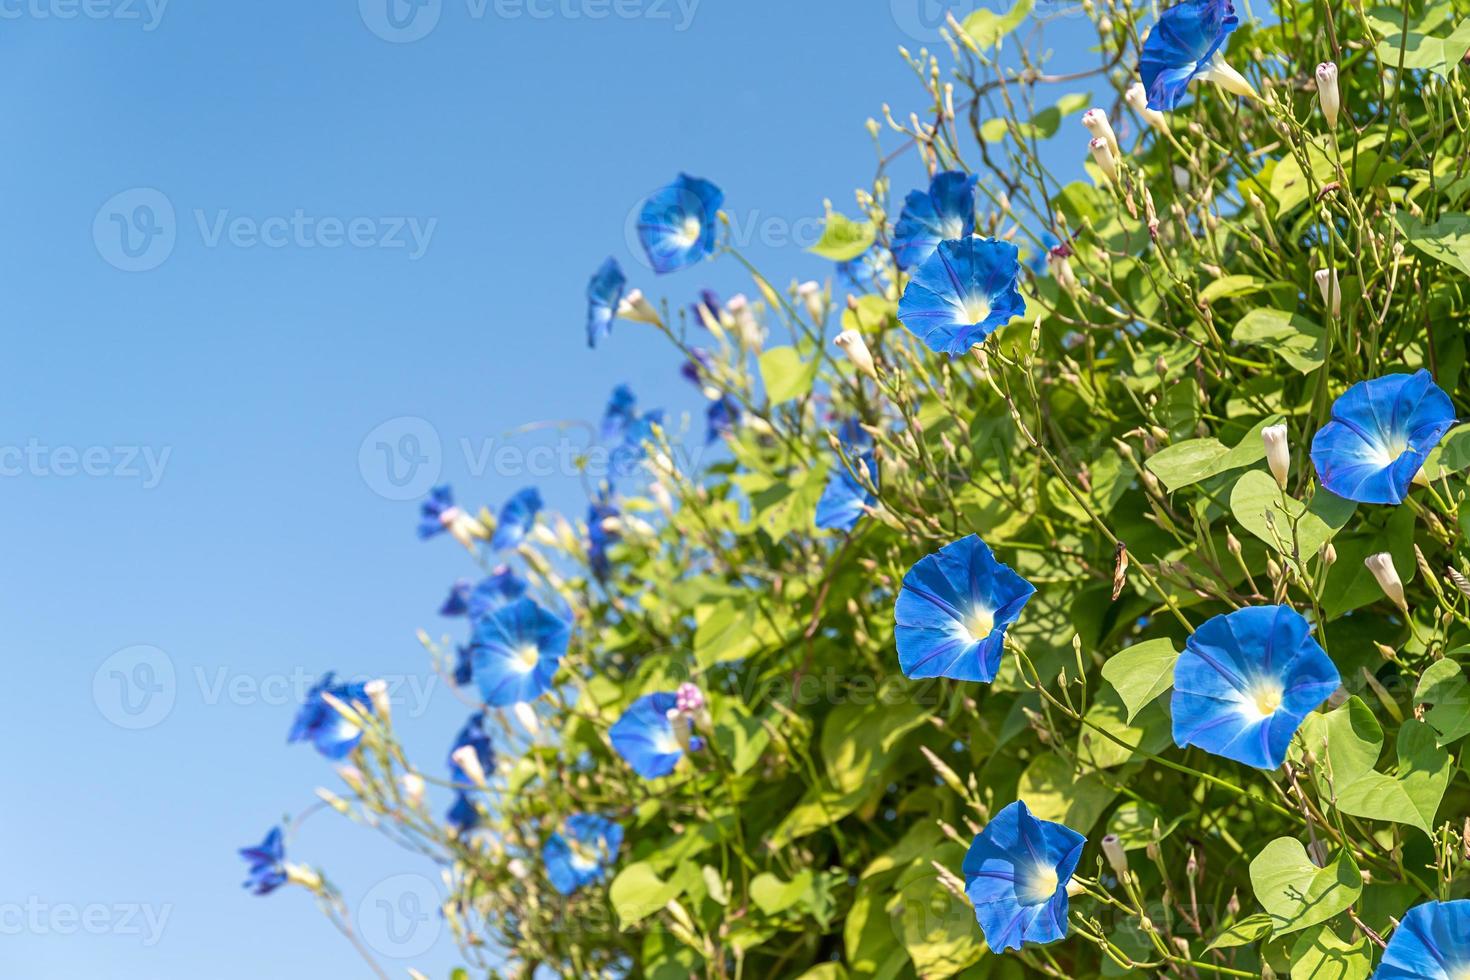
(810,294)
(1381,565)
(1328,94)
(413,789)
(468,760)
(857,352)
(526,715)
(1102,155)
(377,692)
(1278,452)
(1112,849)
(1059,263)
(636,307)
(1137,97)
(747,327)
(1098,125)
(1331,293)
(1329,555)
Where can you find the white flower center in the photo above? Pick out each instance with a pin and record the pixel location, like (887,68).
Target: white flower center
(979,623)
(582,858)
(1461,973)
(974,309)
(527,657)
(1389,451)
(1263,699)
(688,234)
(1038,886)
(953,228)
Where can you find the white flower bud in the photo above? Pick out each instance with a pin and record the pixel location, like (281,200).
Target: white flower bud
(1381,565)
(526,715)
(468,761)
(810,293)
(1117,858)
(636,307)
(1060,266)
(1104,158)
(1327,93)
(352,776)
(377,692)
(413,789)
(1278,452)
(1331,292)
(747,328)
(1137,97)
(1098,125)
(857,352)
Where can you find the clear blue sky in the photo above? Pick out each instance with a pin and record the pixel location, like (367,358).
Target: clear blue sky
(182,447)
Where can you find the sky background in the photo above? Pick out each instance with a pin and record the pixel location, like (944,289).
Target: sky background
(199,515)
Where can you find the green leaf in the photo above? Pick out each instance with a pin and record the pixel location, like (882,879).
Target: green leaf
(986,28)
(1243,932)
(825,971)
(1297,894)
(936,928)
(1451,455)
(1227,286)
(775,896)
(1436,54)
(1411,796)
(1345,744)
(1320,955)
(1447,240)
(637,892)
(1256,495)
(1043,125)
(785,375)
(1054,791)
(844,239)
(1141,673)
(1298,341)
(1186,463)
(1443,686)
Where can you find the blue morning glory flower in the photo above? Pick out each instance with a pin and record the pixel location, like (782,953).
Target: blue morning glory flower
(581,852)
(649,739)
(953,610)
(464,664)
(501,586)
(598,536)
(437,513)
(516,519)
(621,412)
(962,294)
(1187,43)
(697,367)
(865,270)
(319,723)
(1246,680)
(1380,433)
(944,212)
(463,815)
(604,293)
(458,602)
(843,499)
(708,305)
(1432,942)
(721,419)
(517,651)
(677,224)
(1016,875)
(267,863)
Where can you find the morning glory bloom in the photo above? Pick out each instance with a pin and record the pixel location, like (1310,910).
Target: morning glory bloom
(953,610)
(864,271)
(464,664)
(604,294)
(944,212)
(677,224)
(1432,942)
(721,419)
(473,736)
(580,853)
(1380,433)
(267,863)
(516,518)
(1016,875)
(653,735)
(458,602)
(463,816)
(1187,43)
(962,294)
(517,650)
(500,587)
(320,724)
(599,513)
(841,504)
(1246,680)
(621,412)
